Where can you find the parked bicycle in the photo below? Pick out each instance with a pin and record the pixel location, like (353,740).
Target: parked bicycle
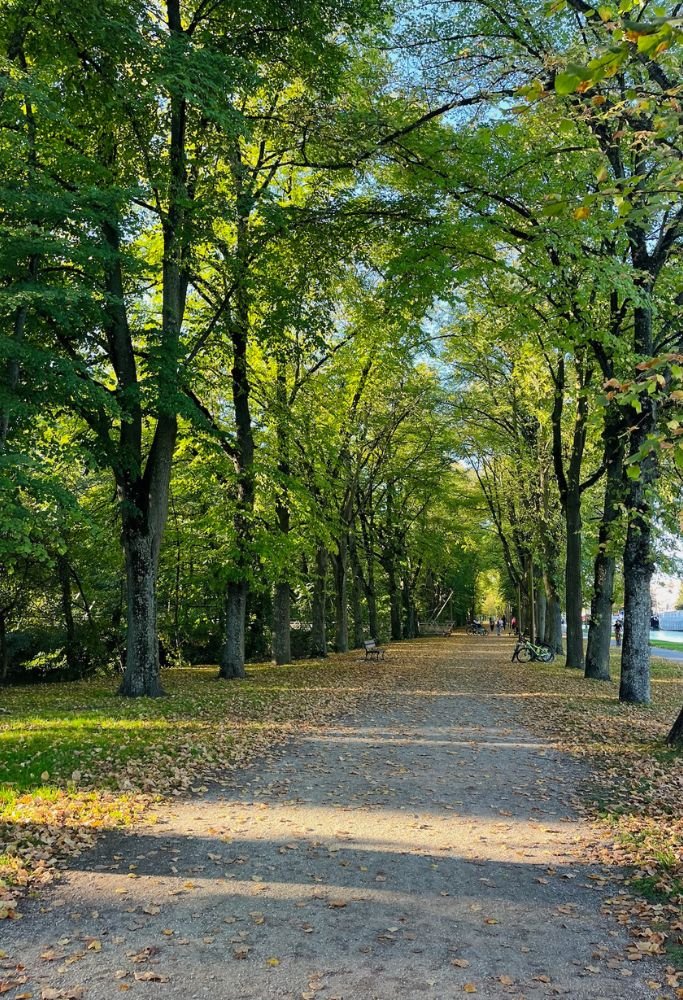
(526,650)
(476,628)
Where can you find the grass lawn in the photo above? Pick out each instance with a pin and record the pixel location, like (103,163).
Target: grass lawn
(75,757)
(664,644)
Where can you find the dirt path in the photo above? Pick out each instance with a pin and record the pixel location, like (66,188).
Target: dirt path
(426,848)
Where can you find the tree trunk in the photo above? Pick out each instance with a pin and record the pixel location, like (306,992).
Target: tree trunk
(638,561)
(282,601)
(369,582)
(635,656)
(675,737)
(64,574)
(232,658)
(600,628)
(341,608)
(553,615)
(282,596)
(4,657)
(394,605)
(318,630)
(573,590)
(357,607)
(541,612)
(142,673)
(409,613)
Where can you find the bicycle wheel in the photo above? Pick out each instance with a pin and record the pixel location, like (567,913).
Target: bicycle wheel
(547,655)
(524,654)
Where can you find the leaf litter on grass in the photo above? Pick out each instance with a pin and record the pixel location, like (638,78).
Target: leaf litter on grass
(204,729)
(76,759)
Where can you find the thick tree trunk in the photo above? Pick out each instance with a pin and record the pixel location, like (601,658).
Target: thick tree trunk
(282,601)
(573,590)
(357,608)
(232,658)
(282,595)
(553,616)
(675,737)
(369,581)
(394,605)
(541,612)
(638,560)
(142,672)
(341,605)
(600,628)
(318,629)
(409,612)
(635,655)
(64,574)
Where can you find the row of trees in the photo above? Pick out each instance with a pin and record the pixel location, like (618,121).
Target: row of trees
(322,288)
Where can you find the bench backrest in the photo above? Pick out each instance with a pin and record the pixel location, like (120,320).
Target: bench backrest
(370,644)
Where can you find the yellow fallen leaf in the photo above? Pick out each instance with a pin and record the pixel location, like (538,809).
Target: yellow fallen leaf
(272,961)
(505,980)
(94,945)
(460,963)
(469,988)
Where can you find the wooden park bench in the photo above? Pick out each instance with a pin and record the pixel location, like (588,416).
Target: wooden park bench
(372,649)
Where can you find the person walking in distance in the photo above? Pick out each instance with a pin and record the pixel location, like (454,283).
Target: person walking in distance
(505,622)
(618,628)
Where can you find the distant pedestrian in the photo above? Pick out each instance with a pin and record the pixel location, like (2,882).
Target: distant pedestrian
(618,628)
(505,622)
(491,625)
(499,626)
(513,624)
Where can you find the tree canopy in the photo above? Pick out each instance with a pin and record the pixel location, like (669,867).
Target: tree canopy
(321,320)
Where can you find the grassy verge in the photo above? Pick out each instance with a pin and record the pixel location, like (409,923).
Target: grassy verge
(76,758)
(664,644)
(635,792)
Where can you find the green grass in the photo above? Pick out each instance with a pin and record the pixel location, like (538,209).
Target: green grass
(664,644)
(76,756)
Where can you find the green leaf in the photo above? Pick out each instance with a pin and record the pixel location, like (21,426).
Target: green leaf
(566,83)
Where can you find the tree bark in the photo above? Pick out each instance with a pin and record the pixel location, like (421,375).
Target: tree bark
(64,574)
(638,558)
(282,602)
(635,656)
(356,596)
(142,673)
(341,607)
(369,581)
(553,615)
(573,589)
(600,628)
(232,658)
(4,657)
(282,596)
(675,737)
(394,604)
(318,628)
(541,612)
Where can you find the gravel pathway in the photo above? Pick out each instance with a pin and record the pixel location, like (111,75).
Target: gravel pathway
(425,849)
